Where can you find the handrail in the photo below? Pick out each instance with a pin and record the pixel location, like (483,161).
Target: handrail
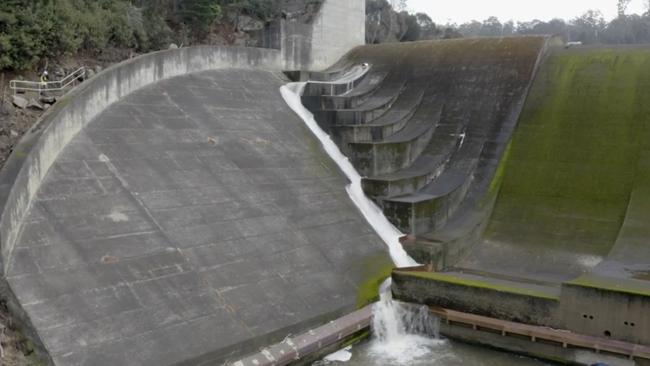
(21,85)
(535,333)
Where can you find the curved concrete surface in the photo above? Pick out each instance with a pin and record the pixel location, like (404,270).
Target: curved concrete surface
(566,245)
(574,180)
(436,124)
(547,227)
(193,220)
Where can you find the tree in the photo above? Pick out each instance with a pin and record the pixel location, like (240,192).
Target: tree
(508,28)
(398,5)
(589,26)
(622,7)
(413,31)
(428,29)
(470,29)
(200,14)
(491,27)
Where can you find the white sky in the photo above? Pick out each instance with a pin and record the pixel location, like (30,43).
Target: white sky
(460,11)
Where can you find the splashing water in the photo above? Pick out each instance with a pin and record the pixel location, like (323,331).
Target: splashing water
(402,333)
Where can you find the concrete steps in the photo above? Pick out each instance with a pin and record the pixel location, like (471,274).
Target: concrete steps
(366,112)
(385,126)
(352,99)
(431,206)
(425,132)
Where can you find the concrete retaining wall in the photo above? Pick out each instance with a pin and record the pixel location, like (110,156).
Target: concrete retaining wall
(338,28)
(610,313)
(32,158)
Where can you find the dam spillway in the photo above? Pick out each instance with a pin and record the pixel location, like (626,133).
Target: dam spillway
(533,217)
(177,196)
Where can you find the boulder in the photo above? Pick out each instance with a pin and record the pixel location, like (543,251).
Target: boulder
(173,46)
(20,102)
(48,99)
(248,24)
(34,104)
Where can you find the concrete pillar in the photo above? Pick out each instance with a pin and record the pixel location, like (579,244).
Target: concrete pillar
(339,26)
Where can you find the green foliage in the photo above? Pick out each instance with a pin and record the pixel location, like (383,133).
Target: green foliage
(32,30)
(199,15)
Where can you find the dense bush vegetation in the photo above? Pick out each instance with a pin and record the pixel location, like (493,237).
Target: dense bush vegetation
(32,30)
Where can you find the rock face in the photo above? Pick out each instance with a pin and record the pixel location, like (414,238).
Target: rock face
(34,104)
(20,102)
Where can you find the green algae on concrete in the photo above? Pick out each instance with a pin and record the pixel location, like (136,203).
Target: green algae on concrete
(574,154)
(487,285)
(376,270)
(626,286)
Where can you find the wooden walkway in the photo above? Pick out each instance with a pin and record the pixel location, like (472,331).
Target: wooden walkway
(536,333)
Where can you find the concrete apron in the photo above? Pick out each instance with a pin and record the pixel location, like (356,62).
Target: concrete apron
(313,344)
(535,341)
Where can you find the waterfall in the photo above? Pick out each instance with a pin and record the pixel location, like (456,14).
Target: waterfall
(373,214)
(401,332)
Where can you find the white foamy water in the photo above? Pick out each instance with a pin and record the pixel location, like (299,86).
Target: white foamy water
(399,332)
(402,333)
(373,214)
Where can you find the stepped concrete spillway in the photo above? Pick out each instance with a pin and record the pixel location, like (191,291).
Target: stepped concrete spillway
(530,214)
(429,122)
(193,220)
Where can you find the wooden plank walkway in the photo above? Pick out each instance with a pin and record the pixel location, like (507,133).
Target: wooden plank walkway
(535,333)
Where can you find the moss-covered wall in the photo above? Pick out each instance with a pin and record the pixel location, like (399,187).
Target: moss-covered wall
(574,154)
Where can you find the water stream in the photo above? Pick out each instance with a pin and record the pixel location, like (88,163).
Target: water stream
(403,334)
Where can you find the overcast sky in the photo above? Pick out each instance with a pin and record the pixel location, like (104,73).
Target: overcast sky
(460,11)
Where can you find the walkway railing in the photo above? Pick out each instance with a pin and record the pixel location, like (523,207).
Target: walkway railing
(50,86)
(563,338)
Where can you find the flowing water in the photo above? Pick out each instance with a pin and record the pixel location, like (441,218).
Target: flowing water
(408,335)
(373,214)
(402,334)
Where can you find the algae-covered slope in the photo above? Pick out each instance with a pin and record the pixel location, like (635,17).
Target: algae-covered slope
(575,160)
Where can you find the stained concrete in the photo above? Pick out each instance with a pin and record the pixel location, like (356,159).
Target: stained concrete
(318,42)
(192,221)
(569,223)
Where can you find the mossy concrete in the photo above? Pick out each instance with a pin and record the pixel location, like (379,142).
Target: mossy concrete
(572,204)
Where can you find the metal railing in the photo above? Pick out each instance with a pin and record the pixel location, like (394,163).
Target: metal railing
(49,86)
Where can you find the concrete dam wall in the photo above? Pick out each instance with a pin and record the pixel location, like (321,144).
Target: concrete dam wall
(566,244)
(429,122)
(174,210)
(533,212)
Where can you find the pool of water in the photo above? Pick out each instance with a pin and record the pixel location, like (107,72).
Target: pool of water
(432,353)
